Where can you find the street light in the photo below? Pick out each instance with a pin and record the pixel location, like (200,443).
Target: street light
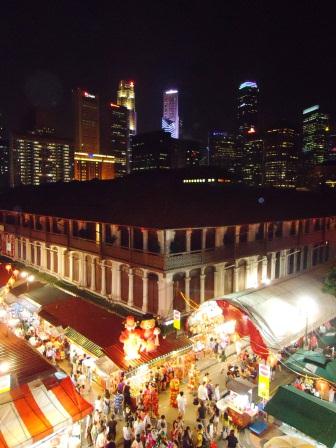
(30,278)
(24,274)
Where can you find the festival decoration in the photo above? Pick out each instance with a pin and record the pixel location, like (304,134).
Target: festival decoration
(139,338)
(174,387)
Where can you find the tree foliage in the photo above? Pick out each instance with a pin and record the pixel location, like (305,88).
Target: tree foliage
(330,282)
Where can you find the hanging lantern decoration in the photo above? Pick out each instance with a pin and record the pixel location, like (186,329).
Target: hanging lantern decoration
(16,273)
(8,267)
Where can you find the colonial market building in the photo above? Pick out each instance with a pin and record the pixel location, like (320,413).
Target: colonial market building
(143,240)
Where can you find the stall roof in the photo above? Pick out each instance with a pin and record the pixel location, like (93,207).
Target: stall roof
(36,410)
(283,310)
(4,275)
(308,362)
(310,415)
(167,346)
(93,322)
(25,363)
(23,288)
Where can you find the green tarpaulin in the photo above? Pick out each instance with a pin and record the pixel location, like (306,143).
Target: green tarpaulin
(310,415)
(309,362)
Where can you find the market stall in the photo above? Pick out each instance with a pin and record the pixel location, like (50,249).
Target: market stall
(240,402)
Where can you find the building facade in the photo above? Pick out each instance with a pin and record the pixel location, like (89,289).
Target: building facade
(252,160)
(147,268)
(315,128)
(281,157)
(87,122)
(170,117)
(4,156)
(36,159)
(126,98)
(88,166)
(223,151)
(118,137)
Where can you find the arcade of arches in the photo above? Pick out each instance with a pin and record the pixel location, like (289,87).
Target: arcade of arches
(160,292)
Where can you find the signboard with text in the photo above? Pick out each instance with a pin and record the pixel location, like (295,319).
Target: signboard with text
(264,381)
(177,319)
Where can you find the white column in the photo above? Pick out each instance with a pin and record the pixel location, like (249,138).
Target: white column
(145,240)
(188,240)
(22,244)
(187,289)
(71,266)
(202,285)
(219,236)
(83,279)
(170,234)
(145,292)
(103,278)
(283,263)
(264,269)
(273,263)
(301,259)
(51,251)
(93,274)
(43,256)
(251,233)
(204,232)
(160,235)
(235,278)
(60,260)
(16,248)
(218,280)
(130,288)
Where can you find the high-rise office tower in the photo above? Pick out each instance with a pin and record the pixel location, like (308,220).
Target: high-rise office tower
(315,129)
(118,137)
(87,126)
(223,150)
(88,166)
(37,159)
(247,107)
(126,98)
(252,160)
(281,157)
(170,118)
(4,155)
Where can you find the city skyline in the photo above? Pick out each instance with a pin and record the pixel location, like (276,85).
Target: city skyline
(194,61)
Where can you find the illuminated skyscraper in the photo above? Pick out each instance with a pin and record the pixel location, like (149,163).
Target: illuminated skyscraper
(126,98)
(118,137)
(315,128)
(247,107)
(87,126)
(281,157)
(223,150)
(170,118)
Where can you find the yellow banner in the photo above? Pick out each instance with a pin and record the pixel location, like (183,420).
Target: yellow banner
(264,387)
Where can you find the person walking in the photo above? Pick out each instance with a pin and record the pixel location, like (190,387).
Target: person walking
(98,405)
(127,435)
(137,442)
(112,428)
(217,394)
(202,393)
(181,403)
(201,413)
(118,403)
(187,439)
(232,440)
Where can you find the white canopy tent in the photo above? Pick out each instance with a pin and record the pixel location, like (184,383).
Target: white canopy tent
(282,312)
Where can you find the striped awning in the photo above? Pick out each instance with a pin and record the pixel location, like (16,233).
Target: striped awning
(34,411)
(85,343)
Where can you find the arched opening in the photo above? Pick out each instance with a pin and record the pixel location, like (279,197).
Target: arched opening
(290,261)
(179,242)
(108,277)
(98,275)
(124,283)
(195,285)
(210,238)
(241,275)
(66,262)
(137,238)
(178,287)
(38,254)
(138,287)
(305,257)
(228,280)
(88,269)
(48,257)
(209,283)
(298,260)
(75,267)
(54,254)
(153,293)
(196,240)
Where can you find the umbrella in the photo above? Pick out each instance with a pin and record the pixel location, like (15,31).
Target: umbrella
(287,442)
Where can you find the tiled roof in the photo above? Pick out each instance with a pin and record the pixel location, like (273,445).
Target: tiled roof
(25,363)
(167,346)
(95,323)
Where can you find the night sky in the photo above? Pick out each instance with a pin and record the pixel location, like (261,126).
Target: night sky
(204,48)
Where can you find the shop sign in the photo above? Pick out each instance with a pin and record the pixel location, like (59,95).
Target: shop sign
(264,381)
(4,383)
(177,319)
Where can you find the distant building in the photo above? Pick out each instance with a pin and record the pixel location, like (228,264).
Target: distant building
(170,117)
(88,166)
(118,137)
(159,150)
(87,123)
(281,157)
(4,156)
(252,161)
(37,159)
(247,113)
(126,98)
(315,128)
(223,150)
(331,151)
